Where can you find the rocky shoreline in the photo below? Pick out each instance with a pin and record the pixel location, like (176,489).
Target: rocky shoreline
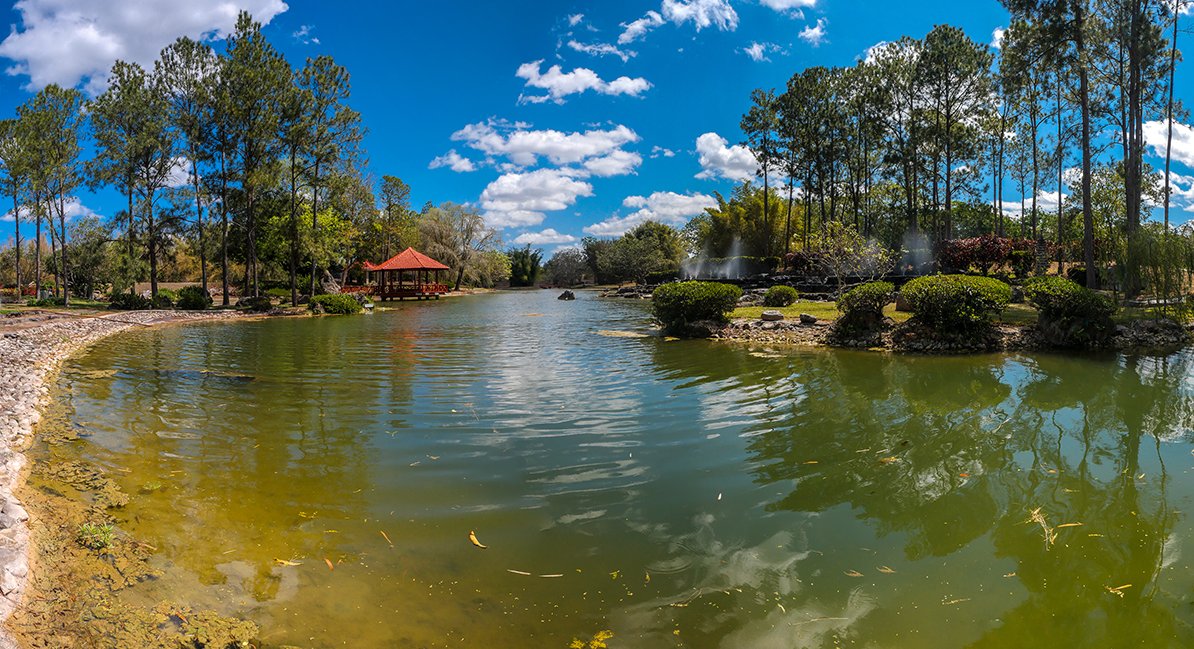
(29,359)
(1141,336)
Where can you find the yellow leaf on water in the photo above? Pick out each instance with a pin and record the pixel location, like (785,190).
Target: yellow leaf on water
(386,537)
(472,537)
(853,573)
(284,562)
(889,460)
(886,570)
(1069,525)
(329,562)
(518,572)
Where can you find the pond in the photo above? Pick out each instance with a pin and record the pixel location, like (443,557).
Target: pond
(321,477)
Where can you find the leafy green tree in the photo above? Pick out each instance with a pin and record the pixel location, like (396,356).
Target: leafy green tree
(14,182)
(524,265)
(457,236)
(567,267)
(760,124)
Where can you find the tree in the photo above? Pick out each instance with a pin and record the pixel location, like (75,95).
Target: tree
(567,267)
(458,237)
(397,227)
(256,78)
(524,265)
(186,70)
(759,124)
(334,130)
(1177,8)
(13,181)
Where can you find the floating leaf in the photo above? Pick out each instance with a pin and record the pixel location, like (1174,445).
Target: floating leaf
(1118,590)
(329,562)
(284,562)
(386,537)
(886,570)
(551,576)
(1069,525)
(889,460)
(518,572)
(853,573)
(472,537)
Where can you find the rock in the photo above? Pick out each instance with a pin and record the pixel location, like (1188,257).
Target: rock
(772,316)
(567,295)
(808,319)
(902,304)
(329,283)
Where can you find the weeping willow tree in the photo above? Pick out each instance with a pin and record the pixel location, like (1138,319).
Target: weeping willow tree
(1160,261)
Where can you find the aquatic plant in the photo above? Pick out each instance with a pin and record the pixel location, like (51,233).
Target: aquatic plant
(96,537)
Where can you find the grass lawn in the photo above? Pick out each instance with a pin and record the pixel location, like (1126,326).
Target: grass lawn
(1016,314)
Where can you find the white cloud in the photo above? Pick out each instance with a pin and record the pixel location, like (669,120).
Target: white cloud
(664,207)
(616,163)
(1181,191)
(635,30)
(789,5)
(658,151)
(70,41)
(303,35)
(546,237)
(718,160)
(560,84)
(602,49)
(702,13)
(453,161)
(520,199)
(997,38)
(1156,134)
(74,209)
(814,35)
(759,51)
(524,147)
(575,19)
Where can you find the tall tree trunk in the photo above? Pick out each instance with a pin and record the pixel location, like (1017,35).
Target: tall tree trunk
(1060,184)
(152,245)
(788,221)
(766,200)
(1084,100)
(224,227)
(294,234)
(64,266)
(315,222)
(16,221)
(199,223)
(1177,5)
(37,245)
(53,242)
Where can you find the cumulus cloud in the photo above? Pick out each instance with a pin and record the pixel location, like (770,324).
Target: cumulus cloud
(997,38)
(814,35)
(759,51)
(1181,191)
(560,84)
(72,41)
(616,163)
(1156,134)
(635,30)
(660,152)
(602,49)
(719,160)
(794,6)
(546,237)
(521,199)
(524,146)
(575,19)
(453,161)
(702,13)
(664,207)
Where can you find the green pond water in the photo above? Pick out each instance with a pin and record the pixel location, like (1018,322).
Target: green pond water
(677,493)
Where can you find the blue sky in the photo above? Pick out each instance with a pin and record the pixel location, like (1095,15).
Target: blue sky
(463,101)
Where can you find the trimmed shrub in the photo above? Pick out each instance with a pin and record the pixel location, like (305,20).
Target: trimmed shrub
(129,302)
(335,303)
(780,296)
(193,298)
(165,299)
(956,303)
(46,302)
(1070,315)
(259,304)
(682,303)
(862,306)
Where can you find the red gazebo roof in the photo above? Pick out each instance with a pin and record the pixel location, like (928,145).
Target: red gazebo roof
(409,259)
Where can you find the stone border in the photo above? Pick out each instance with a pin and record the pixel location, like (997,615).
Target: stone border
(29,361)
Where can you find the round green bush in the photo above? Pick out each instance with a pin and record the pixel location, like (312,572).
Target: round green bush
(165,299)
(956,303)
(129,302)
(863,305)
(679,304)
(259,304)
(193,298)
(1071,315)
(780,296)
(335,303)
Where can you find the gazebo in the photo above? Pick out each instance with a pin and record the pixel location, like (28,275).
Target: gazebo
(392,279)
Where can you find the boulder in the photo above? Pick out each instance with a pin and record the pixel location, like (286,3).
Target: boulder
(329,283)
(902,304)
(808,319)
(772,316)
(567,295)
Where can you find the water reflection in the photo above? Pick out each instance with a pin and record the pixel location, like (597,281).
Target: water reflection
(685,492)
